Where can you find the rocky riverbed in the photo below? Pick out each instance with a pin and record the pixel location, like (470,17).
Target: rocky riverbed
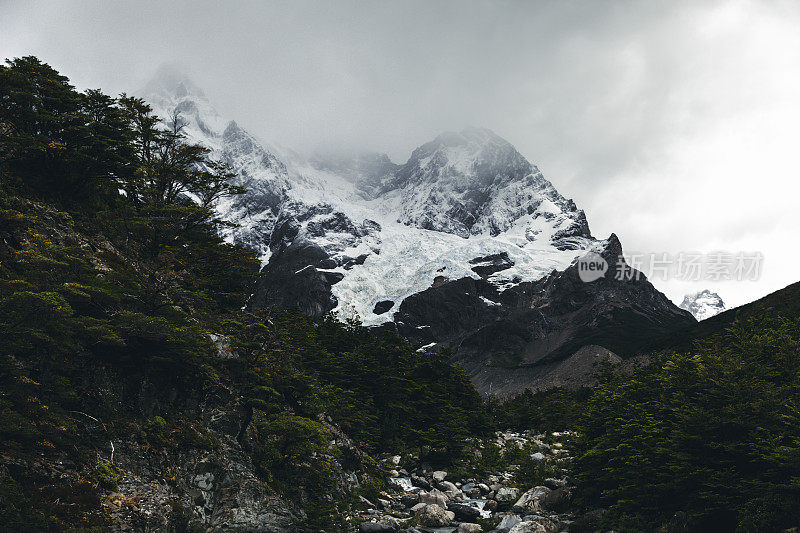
(424,500)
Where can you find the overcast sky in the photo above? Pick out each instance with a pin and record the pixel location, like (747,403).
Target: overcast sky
(674,124)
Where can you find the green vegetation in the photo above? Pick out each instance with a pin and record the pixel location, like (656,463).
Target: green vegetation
(714,433)
(112,283)
(550,410)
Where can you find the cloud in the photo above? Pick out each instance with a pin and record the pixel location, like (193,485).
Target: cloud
(672,124)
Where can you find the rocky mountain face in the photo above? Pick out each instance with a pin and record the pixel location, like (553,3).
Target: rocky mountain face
(465,246)
(543,333)
(703,304)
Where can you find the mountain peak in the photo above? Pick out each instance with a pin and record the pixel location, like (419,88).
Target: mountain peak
(703,304)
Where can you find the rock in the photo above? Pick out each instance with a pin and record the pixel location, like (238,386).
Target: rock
(433,516)
(466,486)
(466,527)
(205,481)
(464,512)
(508,522)
(394,473)
(421,482)
(395,460)
(382,307)
(489,264)
(384,504)
(538,456)
(558,500)
(374,527)
(434,497)
(484,488)
(491,505)
(549,525)
(532,501)
(439,475)
(506,494)
(528,527)
(417,507)
(450,489)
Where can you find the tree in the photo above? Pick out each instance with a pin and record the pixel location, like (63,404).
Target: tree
(55,142)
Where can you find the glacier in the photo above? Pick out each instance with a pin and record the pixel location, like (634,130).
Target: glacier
(386,231)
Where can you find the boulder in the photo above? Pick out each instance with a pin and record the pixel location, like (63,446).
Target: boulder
(491,505)
(558,500)
(532,501)
(439,475)
(464,512)
(433,516)
(474,492)
(528,527)
(420,481)
(506,494)
(549,525)
(434,497)
(466,527)
(508,521)
(450,489)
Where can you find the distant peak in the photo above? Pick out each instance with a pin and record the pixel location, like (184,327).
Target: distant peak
(703,304)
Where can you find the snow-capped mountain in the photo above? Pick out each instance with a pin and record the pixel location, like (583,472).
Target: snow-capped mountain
(386,231)
(460,247)
(703,304)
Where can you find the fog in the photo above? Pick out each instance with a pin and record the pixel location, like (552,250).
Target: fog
(672,124)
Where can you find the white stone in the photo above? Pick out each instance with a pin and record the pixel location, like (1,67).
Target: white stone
(532,501)
(528,527)
(506,494)
(434,497)
(432,516)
